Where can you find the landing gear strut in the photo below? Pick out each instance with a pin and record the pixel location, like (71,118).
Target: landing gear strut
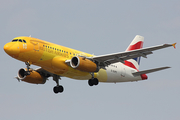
(28,64)
(58,88)
(93,81)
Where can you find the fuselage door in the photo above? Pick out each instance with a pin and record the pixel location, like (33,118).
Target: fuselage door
(35,44)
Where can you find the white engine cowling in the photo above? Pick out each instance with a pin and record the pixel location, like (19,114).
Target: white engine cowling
(34,77)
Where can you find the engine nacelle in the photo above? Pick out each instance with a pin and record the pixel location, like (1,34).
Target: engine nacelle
(34,77)
(83,64)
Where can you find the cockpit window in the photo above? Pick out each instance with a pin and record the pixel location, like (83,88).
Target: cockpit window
(15,40)
(20,40)
(24,41)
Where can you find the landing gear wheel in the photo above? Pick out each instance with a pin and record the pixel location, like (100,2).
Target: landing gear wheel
(95,81)
(92,82)
(58,89)
(55,89)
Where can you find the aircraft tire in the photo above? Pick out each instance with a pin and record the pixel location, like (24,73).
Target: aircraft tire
(95,81)
(90,82)
(61,89)
(55,89)
(58,89)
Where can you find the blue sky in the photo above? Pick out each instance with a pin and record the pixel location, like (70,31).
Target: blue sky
(97,27)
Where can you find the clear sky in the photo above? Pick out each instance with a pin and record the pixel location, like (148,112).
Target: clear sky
(99,27)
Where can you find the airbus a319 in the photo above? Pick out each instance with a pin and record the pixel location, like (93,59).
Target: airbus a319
(58,61)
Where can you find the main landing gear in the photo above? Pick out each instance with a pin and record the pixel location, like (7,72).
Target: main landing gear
(58,88)
(93,81)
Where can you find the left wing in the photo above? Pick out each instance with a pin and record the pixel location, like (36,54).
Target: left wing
(105,60)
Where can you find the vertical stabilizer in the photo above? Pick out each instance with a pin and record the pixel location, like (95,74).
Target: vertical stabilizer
(137,43)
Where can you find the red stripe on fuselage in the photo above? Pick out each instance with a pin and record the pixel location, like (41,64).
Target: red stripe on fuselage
(127,63)
(143,76)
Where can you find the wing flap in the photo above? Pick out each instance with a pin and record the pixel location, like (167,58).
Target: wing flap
(149,71)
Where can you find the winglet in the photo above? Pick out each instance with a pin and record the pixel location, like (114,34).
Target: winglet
(174,45)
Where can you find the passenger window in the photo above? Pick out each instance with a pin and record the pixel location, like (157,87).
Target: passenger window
(20,40)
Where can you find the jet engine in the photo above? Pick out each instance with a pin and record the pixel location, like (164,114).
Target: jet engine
(83,64)
(32,76)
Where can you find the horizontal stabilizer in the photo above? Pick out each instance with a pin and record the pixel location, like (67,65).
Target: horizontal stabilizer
(149,71)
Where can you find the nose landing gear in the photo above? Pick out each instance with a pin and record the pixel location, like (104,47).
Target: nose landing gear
(57,89)
(28,64)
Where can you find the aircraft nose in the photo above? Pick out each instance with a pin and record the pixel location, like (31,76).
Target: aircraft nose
(6,47)
(11,48)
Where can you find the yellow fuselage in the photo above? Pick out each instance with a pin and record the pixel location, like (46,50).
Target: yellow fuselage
(50,57)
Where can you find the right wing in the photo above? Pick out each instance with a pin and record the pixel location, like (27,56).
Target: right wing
(105,60)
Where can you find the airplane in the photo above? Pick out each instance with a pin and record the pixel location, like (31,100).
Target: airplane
(57,61)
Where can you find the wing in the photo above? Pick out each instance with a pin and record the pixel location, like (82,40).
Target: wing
(105,60)
(44,72)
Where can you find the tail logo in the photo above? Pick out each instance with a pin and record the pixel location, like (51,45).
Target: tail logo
(137,43)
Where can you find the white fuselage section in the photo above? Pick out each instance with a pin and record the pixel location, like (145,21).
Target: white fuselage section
(118,72)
